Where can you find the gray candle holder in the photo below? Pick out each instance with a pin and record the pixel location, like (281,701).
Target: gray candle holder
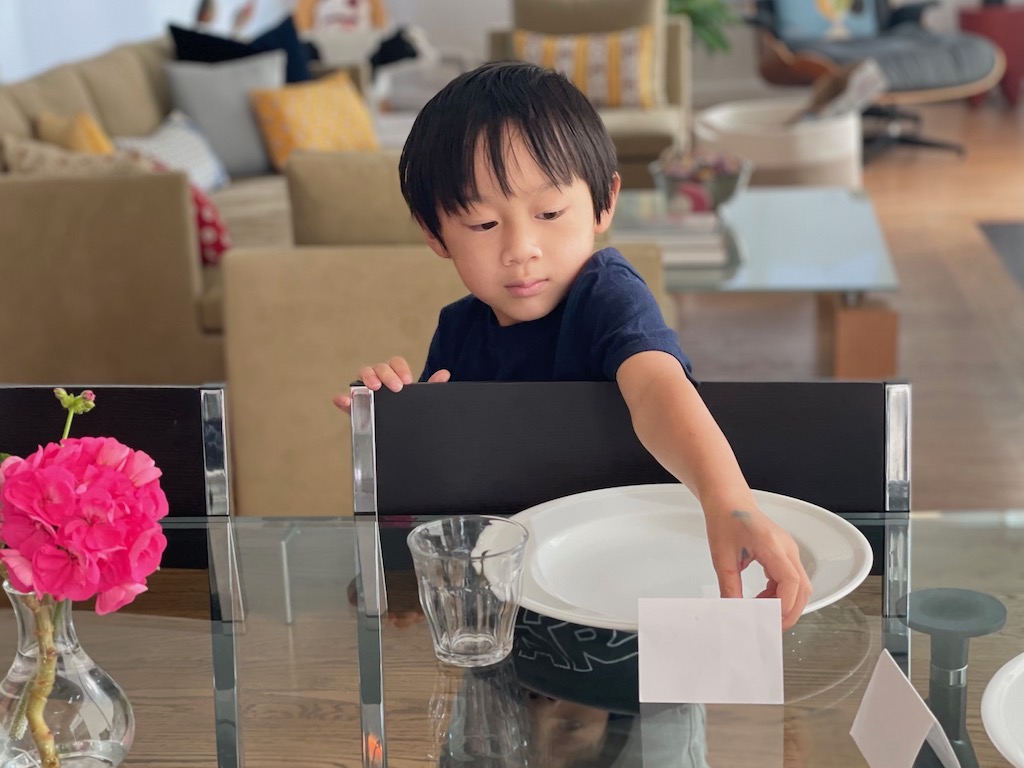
(951,617)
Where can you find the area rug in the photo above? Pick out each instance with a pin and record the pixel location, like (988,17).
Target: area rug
(1007,239)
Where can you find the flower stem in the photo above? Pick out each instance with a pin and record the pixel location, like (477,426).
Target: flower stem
(67,424)
(42,684)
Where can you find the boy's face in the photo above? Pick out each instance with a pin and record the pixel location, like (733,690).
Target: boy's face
(520,254)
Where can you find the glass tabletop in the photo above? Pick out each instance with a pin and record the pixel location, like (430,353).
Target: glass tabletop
(800,239)
(247,658)
(264,652)
(556,703)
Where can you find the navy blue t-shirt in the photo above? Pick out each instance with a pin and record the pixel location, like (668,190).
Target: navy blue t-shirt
(608,316)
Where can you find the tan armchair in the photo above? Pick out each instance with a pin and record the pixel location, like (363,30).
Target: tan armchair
(639,135)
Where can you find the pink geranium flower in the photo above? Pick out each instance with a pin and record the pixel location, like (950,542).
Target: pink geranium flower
(80,519)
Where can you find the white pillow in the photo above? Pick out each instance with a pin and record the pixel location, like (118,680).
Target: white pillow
(180,146)
(216,96)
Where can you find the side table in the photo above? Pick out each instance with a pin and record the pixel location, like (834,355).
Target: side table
(1004,26)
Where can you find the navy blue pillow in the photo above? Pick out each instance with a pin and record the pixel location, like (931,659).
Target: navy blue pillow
(197,46)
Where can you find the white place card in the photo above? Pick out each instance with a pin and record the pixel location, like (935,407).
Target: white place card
(893,722)
(710,651)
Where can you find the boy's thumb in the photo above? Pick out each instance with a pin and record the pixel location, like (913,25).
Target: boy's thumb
(440,377)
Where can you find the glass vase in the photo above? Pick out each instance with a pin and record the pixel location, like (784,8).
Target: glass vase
(88,714)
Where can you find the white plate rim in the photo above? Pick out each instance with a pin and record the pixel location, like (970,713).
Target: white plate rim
(992,710)
(589,619)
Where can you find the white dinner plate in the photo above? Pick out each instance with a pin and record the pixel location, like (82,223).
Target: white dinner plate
(592,555)
(1002,710)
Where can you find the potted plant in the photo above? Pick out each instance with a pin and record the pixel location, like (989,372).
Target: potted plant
(709,19)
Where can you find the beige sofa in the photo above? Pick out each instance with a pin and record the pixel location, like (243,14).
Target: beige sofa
(112,264)
(640,135)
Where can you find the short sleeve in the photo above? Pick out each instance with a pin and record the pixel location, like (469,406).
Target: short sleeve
(435,354)
(616,316)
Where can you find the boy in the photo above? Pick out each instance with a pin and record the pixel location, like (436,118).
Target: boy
(511,174)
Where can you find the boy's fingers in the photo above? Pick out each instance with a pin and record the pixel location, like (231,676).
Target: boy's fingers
(401,368)
(369,378)
(730,584)
(343,402)
(789,590)
(388,377)
(439,377)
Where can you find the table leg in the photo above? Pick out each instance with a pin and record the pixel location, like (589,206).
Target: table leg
(857,337)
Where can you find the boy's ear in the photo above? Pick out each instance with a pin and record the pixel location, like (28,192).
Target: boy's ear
(434,242)
(605,219)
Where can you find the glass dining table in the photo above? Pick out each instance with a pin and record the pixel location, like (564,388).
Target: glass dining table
(267,654)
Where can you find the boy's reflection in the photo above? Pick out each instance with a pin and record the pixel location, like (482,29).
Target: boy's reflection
(564,734)
(485,718)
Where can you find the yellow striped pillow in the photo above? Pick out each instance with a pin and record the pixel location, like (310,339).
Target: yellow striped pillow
(614,69)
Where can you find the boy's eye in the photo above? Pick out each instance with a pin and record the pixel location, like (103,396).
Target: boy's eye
(483,227)
(549,215)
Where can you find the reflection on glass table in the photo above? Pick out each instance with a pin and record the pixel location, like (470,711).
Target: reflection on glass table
(253,655)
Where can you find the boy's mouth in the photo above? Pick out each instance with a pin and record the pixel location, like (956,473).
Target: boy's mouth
(526,288)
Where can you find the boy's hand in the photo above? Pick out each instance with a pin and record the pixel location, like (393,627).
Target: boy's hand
(394,374)
(738,538)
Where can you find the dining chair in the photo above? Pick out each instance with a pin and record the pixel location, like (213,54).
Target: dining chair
(499,448)
(183,429)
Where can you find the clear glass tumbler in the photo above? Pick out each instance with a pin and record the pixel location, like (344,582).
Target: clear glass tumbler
(470,573)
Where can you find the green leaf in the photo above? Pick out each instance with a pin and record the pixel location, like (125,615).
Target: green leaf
(709,20)
(4,457)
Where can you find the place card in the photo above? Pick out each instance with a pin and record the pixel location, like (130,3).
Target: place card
(710,650)
(893,722)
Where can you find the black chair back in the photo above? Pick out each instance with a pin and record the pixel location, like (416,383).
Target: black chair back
(168,423)
(499,448)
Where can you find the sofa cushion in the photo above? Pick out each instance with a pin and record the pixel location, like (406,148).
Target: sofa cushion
(643,132)
(326,114)
(152,55)
(216,96)
(574,17)
(29,157)
(256,211)
(122,92)
(12,119)
(34,158)
(198,46)
(60,90)
(211,300)
(80,133)
(612,69)
(800,20)
(179,145)
(320,183)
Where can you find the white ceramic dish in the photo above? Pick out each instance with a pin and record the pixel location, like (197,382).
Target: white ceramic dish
(1002,710)
(592,555)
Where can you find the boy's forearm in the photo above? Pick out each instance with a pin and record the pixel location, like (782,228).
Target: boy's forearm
(674,425)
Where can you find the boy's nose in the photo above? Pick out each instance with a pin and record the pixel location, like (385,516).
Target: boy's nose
(518,248)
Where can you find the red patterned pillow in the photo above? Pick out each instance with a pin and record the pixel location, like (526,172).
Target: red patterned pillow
(214,240)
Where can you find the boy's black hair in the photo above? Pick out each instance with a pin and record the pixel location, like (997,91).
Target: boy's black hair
(559,126)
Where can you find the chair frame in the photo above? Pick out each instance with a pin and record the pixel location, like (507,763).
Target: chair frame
(375,444)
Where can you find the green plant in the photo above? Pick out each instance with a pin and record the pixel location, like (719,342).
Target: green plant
(709,19)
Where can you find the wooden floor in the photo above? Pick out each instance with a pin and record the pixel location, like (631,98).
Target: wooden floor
(962,314)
